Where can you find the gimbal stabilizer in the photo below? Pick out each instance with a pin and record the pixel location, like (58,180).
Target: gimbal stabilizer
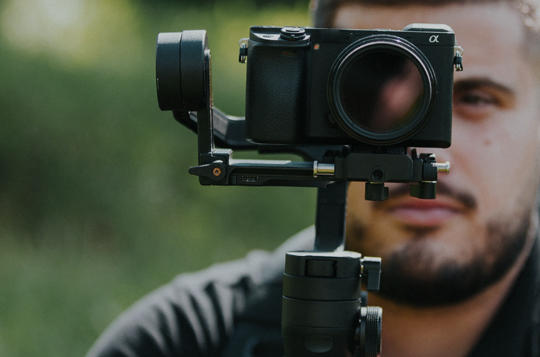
(323,312)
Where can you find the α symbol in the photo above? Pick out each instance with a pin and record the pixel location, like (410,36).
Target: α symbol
(434,39)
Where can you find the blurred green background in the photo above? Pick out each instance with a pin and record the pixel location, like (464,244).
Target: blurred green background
(96,205)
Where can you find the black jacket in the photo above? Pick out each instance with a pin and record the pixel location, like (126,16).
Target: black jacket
(234,310)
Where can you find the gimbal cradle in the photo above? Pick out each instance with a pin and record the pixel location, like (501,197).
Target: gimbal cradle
(324,312)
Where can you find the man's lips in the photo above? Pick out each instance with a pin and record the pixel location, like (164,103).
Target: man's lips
(424,213)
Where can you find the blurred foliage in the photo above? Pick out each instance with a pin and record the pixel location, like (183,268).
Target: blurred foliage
(262,4)
(96,205)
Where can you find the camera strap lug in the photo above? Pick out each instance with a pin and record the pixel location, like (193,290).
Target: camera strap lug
(243,43)
(458,58)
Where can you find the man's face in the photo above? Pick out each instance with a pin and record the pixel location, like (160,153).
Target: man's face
(443,251)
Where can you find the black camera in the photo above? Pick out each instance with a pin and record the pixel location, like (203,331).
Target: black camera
(350,102)
(335,86)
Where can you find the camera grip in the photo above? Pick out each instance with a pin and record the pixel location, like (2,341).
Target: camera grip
(276,93)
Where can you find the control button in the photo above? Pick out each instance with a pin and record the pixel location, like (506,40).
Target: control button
(292,33)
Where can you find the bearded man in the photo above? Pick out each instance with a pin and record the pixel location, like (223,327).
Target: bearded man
(460,274)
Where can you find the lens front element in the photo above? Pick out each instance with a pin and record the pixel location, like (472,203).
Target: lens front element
(381,90)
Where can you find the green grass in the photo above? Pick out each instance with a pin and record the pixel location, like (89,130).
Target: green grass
(96,205)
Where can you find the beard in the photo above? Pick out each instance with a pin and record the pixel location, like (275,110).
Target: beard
(450,282)
(415,275)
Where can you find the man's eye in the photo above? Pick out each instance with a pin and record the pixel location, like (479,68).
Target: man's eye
(476,104)
(476,99)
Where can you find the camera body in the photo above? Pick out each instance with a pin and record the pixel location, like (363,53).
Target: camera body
(350,87)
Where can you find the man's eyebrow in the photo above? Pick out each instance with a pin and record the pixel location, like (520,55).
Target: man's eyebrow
(473,83)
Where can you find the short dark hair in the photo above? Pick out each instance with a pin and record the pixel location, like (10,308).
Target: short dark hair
(323,11)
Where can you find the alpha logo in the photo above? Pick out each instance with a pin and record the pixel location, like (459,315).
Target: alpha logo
(434,39)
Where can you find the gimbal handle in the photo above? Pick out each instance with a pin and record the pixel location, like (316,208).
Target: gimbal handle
(323,312)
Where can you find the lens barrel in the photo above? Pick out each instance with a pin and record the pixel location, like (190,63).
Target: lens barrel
(381,90)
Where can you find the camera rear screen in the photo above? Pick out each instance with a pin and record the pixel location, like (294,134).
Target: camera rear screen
(381,91)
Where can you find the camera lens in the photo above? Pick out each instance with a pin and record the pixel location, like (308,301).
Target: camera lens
(381,90)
